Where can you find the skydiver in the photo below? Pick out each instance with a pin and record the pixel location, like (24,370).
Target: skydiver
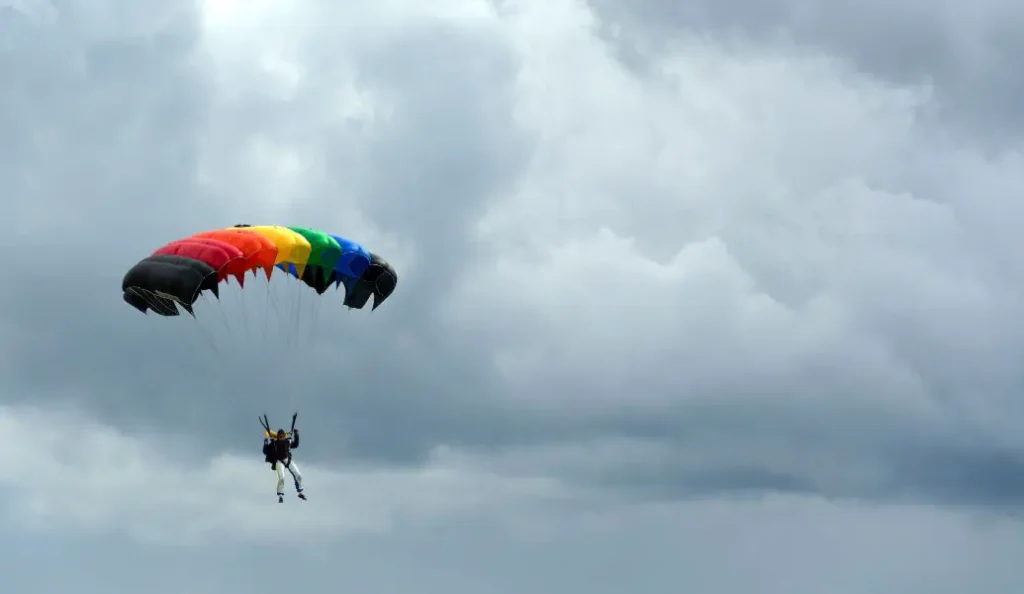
(278,453)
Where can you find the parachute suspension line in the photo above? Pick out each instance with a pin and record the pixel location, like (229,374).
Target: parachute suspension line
(293,334)
(245,317)
(215,304)
(295,353)
(202,339)
(292,287)
(315,319)
(220,310)
(223,316)
(155,302)
(318,308)
(267,305)
(309,300)
(182,268)
(208,333)
(279,321)
(287,319)
(210,341)
(285,324)
(299,317)
(211,355)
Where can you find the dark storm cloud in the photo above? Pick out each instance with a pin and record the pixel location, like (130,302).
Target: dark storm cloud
(114,171)
(100,119)
(967,50)
(101,124)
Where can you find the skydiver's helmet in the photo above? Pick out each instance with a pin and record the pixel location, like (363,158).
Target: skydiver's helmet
(281,434)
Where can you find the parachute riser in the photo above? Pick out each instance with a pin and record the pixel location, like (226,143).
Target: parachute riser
(265,423)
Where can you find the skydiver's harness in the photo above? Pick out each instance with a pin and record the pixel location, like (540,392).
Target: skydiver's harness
(273,460)
(273,435)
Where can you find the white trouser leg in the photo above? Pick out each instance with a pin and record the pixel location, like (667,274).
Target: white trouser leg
(296,475)
(280,479)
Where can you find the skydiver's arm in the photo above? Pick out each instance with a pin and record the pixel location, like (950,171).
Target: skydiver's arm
(295,439)
(266,447)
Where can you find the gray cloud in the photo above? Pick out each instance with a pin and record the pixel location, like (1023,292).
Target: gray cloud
(737,271)
(965,51)
(448,148)
(448,173)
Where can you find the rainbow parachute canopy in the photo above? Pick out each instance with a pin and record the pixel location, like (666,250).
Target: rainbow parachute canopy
(177,273)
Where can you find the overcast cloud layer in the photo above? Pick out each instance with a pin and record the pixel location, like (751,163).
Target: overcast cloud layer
(710,297)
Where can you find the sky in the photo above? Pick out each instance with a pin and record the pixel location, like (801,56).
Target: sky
(707,297)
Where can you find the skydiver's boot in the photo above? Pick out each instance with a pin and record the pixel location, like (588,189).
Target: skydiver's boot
(280,497)
(302,496)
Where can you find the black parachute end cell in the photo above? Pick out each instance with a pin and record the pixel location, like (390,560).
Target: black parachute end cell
(332,279)
(167,308)
(340,281)
(378,281)
(145,304)
(187,277)
(163,279)
(136,275)
(138,281)
(317,279)
(209,284)
(135,300)
(359,293)
(383,277)
(386,283)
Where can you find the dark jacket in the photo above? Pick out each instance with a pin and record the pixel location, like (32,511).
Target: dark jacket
(280,450)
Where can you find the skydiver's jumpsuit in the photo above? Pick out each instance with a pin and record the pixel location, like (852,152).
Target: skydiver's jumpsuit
(278,453)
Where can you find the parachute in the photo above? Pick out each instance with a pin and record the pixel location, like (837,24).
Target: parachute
(174,276)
